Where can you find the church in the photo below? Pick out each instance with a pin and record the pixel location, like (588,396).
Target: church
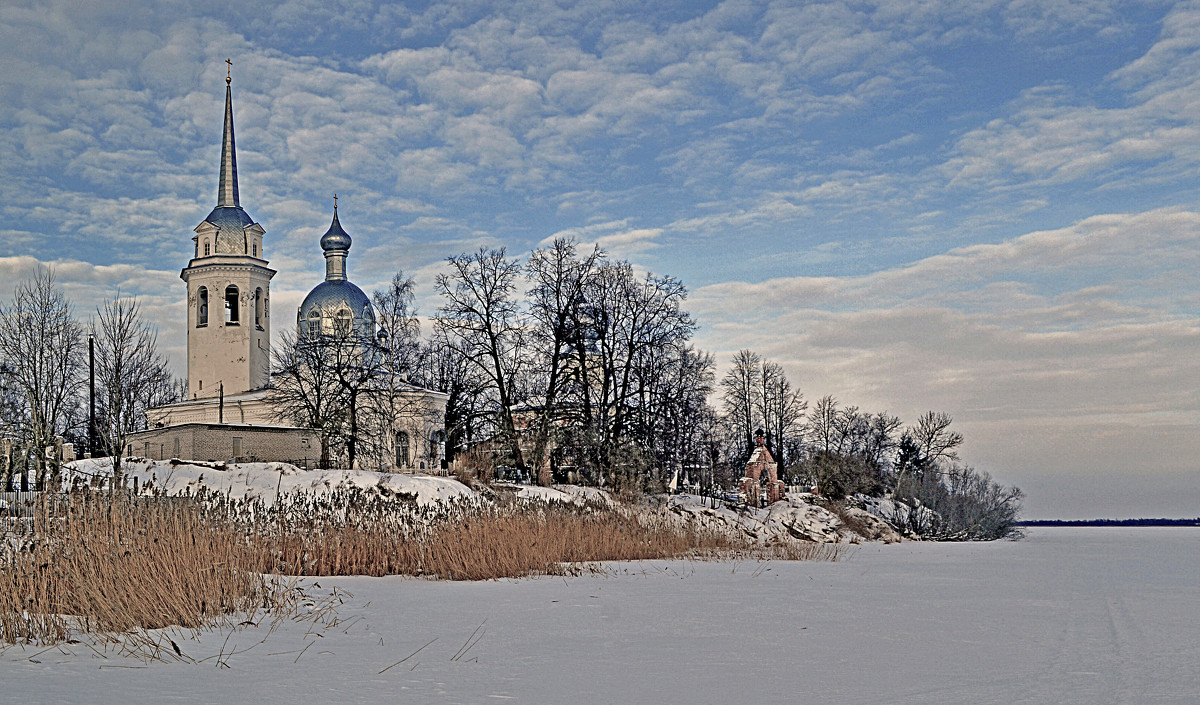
(230,413)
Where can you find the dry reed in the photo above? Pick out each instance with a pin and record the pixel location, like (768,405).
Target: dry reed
(110,563)
(115,563)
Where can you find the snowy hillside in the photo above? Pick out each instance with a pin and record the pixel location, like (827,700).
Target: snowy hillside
(799,518)
(267,481)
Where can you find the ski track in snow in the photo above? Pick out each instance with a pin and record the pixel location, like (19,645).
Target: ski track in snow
(1080,616)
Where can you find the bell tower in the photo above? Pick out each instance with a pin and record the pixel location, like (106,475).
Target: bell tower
(228,287)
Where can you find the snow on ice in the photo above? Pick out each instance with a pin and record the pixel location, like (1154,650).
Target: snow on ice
(1081,616)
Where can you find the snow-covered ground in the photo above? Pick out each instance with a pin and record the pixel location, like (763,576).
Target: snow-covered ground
(1075,616)
(267,481)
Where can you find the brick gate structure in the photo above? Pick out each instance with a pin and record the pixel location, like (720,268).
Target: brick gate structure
(760,461)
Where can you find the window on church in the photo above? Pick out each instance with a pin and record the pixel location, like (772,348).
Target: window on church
(206,248)
(437,439)
(343,322)
(202,307)
(258,308)
(231,305)
(255,246)
(402,449)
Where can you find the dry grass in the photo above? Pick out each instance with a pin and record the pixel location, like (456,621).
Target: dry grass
(117,564)
(850,521)
(378,537)
(114,564)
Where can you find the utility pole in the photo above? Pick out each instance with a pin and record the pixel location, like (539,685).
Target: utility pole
(92,396)
(221,406)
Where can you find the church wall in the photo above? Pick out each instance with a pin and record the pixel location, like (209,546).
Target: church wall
(421,420)
(227,442)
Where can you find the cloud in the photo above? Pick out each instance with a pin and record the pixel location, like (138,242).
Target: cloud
(159,292)
(1054,134)
(1052,329)
(614,237)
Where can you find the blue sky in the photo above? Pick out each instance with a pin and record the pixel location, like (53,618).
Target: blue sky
(982,207)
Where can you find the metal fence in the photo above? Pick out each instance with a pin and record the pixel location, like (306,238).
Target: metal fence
(22,505)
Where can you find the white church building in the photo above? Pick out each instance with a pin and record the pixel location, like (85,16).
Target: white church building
(228,414)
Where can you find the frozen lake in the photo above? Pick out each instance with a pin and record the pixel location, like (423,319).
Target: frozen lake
(1064,616)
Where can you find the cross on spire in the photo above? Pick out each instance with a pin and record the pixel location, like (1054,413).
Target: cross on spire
(335,203)
(228,69)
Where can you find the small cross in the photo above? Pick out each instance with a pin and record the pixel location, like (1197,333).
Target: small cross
(335,201)
(228,68)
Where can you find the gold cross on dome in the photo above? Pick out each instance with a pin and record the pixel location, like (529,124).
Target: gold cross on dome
(335,201)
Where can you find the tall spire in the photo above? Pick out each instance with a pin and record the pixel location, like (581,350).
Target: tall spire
(227,191)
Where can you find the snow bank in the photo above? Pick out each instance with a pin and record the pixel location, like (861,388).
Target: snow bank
(799,518)
(268,481)
(563,494)
(898,515)
(792,519)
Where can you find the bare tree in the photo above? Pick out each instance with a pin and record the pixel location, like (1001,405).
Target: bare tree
(934,437)
(11,425)
(469,414)
(882,441)
(633,324)
(964,504)
(163,391)
(676,414)
(781,410)
(394,407)
(305,388)
(358,367)
(480,319)
(823,424)
(41,347)
(743,396)
(925,443)
(129,372)
(400,330)
(559,280)
(850,426)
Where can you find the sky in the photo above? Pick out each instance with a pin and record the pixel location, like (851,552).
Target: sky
(980,207)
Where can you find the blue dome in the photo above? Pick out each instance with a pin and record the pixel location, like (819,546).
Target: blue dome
(331,301)
(335,238)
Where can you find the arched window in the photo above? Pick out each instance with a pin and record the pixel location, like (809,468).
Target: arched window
(344,317)
(258,307)
(255,246)
(402,449)
(314,323)
(202,307)
(231,306)
(206,248)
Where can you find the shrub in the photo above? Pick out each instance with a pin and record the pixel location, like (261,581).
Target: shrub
(968,504)
(476,465)
(838,476)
